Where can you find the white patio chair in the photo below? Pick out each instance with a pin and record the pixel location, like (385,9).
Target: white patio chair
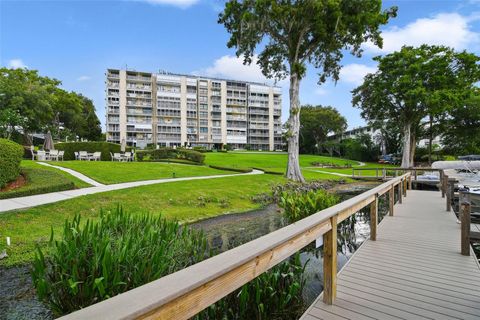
(41,155)
(117,156)
(77,156)
(60,155)
(96,156)
(53,155)
(112,157)
(83,155)
(128,156)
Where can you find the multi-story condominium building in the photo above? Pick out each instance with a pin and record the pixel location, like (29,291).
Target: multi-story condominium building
(166,109)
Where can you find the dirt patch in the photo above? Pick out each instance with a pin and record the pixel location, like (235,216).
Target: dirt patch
(20,182)
(18,299)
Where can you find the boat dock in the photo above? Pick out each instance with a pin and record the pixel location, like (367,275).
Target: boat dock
(414,269)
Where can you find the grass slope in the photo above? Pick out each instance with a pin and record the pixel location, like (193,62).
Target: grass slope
(116,172)
(32,164)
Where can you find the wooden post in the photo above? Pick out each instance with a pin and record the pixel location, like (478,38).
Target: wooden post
(404,187)
(409,182)
(374,218)
(330,263)
(415,173)
(452,190)
(400,192)
(442,184)
(391,196)
(464,201)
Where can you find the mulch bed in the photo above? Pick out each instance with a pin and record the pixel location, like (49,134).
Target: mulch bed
(20,182)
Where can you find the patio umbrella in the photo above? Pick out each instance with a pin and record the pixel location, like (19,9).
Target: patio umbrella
(48,143)
(123,145)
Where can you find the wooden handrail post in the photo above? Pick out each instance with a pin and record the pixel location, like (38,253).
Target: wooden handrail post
(442,183)
(374,218)
(450,193)
(399,192)
(409,182)
(415,173)
(330,263)
(464,201)
(404,187)
(391,196)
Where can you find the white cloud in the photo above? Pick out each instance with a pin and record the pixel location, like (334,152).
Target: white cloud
(449,29)
(354,73)
(83,78)
(231,67)
(177,3)
(320,91)
(16,64)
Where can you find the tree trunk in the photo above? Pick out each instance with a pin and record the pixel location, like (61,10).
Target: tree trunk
(413,146)
(293,166)
(406,145)
(430,139)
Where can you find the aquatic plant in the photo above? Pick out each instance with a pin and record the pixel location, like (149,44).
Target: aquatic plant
(95,260)
(275,294)
(298,205)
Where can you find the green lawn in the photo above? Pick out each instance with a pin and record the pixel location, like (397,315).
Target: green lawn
(182,200)
(32,164)
(267,160)
(116,172)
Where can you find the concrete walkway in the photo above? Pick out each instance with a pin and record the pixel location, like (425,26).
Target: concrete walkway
(40,199)
(74,173)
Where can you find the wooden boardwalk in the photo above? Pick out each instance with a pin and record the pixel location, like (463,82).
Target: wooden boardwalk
(414,270)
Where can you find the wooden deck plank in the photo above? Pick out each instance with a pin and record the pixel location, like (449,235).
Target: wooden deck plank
(413,271)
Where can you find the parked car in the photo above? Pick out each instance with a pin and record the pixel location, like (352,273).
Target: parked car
(389,159)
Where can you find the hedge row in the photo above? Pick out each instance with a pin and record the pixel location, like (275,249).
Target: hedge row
(242,170)
(11,154)
(39,181)
(170,153)
(104,147)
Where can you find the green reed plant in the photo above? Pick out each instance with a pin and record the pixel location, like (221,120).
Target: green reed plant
(275,294)
(300,204)
(95,260)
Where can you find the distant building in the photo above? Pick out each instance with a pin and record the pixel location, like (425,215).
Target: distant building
(167,109)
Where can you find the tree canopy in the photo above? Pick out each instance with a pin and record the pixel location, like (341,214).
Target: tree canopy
(37,103)
(316,124)
(293,34)
(415,83)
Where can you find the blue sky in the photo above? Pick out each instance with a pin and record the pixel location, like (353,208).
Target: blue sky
(76,41)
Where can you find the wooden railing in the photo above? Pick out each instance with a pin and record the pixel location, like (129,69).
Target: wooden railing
(383,172)
(185,293)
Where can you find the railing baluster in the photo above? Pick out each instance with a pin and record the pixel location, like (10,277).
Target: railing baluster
(330,263)
(374,218)
(391,199)
(399,187)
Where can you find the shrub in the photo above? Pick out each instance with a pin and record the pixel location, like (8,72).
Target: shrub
(170,153)
(96,260)
(11,154)
(104,147)
(39,181)
(299,205)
